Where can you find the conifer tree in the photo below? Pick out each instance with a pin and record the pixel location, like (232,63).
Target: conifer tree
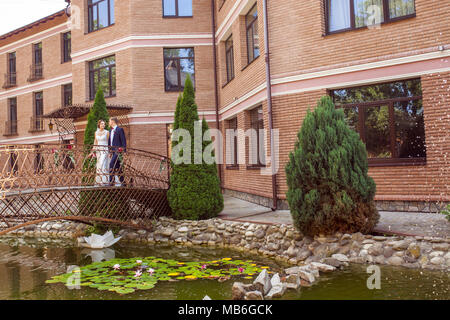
(97,112)
(329,189)
(195,191)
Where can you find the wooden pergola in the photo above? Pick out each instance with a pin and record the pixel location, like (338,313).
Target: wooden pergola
(65,117)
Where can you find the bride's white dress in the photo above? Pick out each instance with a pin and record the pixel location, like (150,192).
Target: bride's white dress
(102,176)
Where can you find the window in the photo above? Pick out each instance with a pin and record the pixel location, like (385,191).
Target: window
(11,124)
(178,63)
(67,95)
(67,47)
(37,53)
(232,143)
(101,14)
(229,53)
(11,75)
(177,8)
(352,14)
(251,23)
(388,118)
(257,124)
(12,114)
(37,68)
(37,121)
(102,75)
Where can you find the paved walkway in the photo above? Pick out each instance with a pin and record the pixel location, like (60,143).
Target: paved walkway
(402,223)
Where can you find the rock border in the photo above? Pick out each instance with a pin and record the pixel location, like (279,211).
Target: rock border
(281,242)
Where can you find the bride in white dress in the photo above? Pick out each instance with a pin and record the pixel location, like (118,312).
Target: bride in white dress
(102,154)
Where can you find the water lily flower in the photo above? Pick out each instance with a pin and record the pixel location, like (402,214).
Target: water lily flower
(138,274)
(240,269)
(116,266)
(151,271)
(138,261)
(204,267)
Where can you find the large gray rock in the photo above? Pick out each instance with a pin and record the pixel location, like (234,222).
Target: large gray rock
(293,281)
(262,282)
(340,257)
(238,291)
(277,291)
(322,267)
(306,275)
(400,245)
(254,295)
(395,261)
(333,262)
(276,280)
(304,254)
(292,270)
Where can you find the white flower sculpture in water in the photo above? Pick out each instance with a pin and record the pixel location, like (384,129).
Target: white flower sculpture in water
(96,241)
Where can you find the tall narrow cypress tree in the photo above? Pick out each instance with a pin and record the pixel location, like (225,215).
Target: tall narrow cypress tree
(97,112)
(329,188)
(195,191)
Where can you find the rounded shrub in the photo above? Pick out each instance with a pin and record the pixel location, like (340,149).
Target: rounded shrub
(195,191)
(329,189)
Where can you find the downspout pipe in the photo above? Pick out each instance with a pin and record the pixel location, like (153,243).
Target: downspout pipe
(216,92)
(269,106)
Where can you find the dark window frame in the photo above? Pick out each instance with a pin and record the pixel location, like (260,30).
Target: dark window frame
(11,122)
(394,160)
(233,124)
(37,53)
(93,87)
(250,26)
(38,105)
(257,124)
(67,95)
(66,44)
(11,69)
(177,11)
(12,103)
(180,87)
(386,17)
(90,5)
(229,59)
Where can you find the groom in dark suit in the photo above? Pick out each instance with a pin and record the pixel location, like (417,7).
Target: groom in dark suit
(118,144)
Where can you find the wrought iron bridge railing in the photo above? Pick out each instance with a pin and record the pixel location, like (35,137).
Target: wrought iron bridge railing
(53,182)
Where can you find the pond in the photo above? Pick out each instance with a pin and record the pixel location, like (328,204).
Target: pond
(26,265)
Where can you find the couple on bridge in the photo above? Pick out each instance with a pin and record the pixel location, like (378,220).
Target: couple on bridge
(109,145)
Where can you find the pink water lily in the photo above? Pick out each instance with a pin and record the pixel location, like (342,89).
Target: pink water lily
(151,271)
(204,267)
(138,261)
(116,266)
(240,269)
(138,274)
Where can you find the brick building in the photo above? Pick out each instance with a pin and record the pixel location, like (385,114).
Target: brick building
(386,62)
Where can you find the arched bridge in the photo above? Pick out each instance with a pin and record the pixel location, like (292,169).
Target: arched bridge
(61,182)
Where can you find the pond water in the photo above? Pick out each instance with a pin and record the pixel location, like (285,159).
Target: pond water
(25,265)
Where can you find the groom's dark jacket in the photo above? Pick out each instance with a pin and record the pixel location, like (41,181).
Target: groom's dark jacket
(118,141)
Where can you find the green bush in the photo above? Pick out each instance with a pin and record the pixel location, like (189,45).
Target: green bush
(195,191)
(446,212)
(329,189)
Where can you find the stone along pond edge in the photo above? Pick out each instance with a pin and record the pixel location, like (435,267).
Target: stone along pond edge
(284,243)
